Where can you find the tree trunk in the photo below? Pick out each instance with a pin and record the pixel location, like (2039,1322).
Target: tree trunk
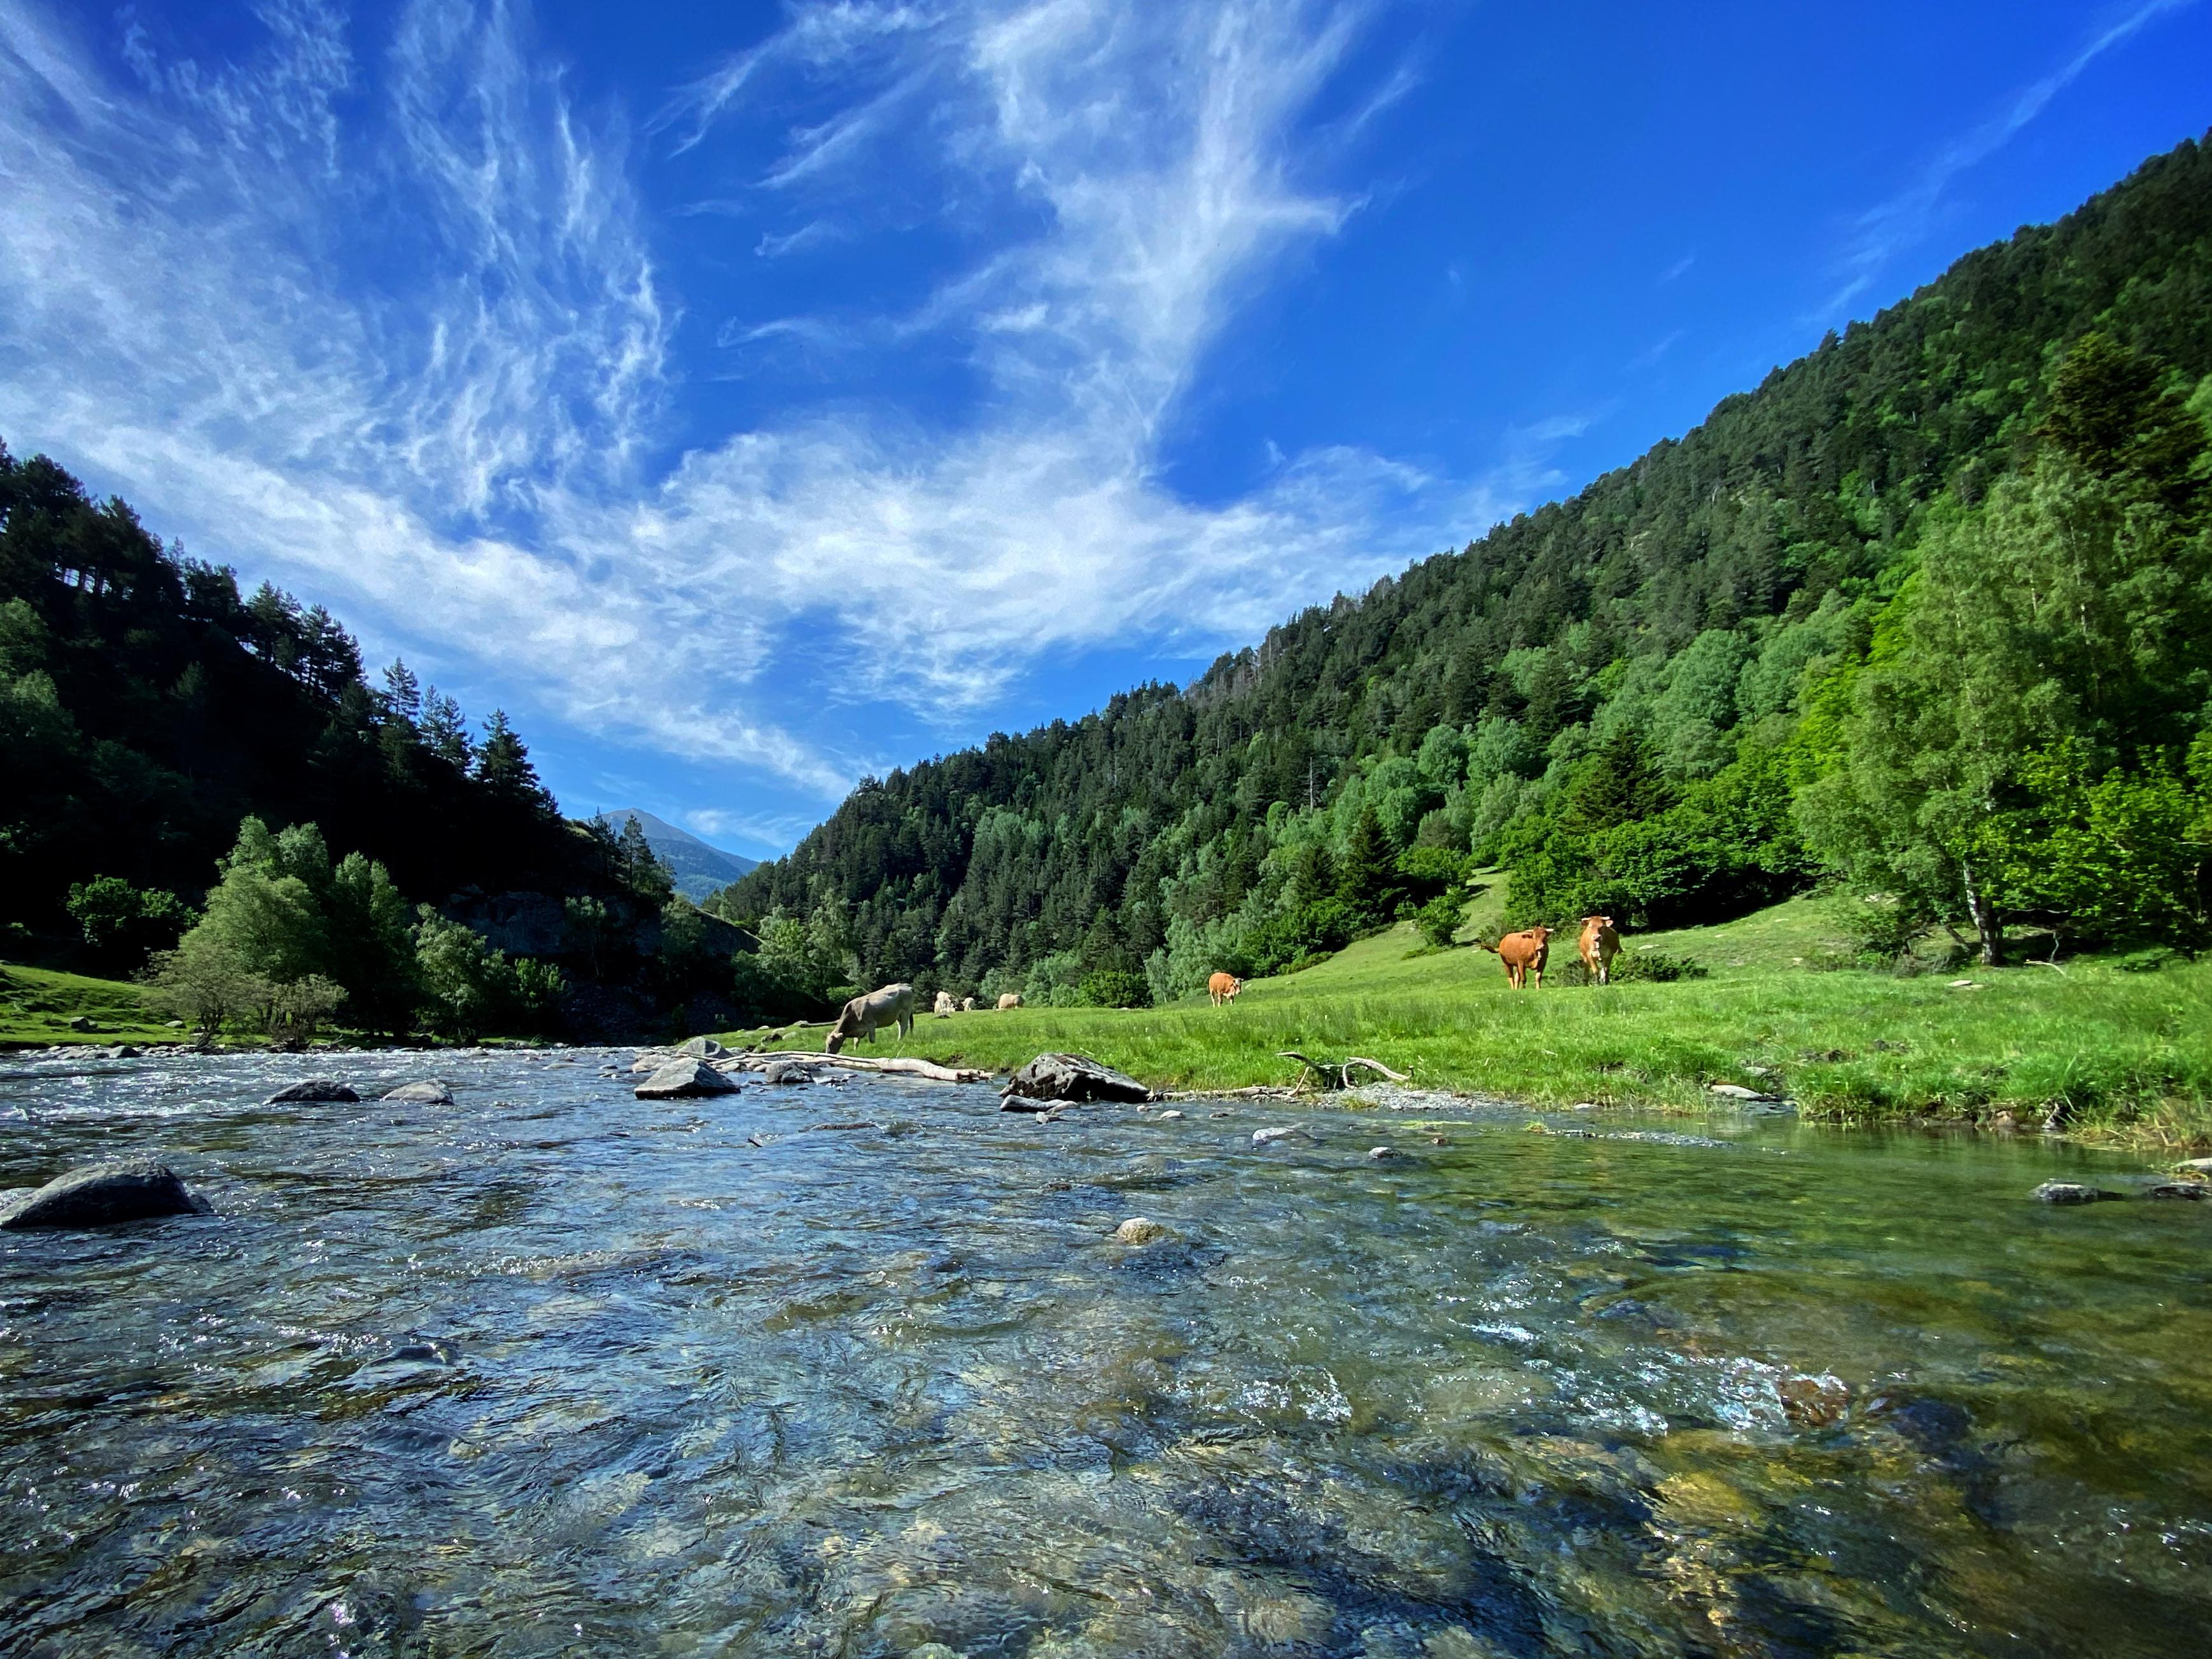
(1987,928)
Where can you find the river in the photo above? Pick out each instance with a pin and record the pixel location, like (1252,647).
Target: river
(554,1370)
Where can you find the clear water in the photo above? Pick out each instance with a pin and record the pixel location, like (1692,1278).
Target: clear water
(1766,1390)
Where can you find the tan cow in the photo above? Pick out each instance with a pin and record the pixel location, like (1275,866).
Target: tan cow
(865,1015)
(1523,953)
(1011,1000)
(1224,988)
(1600,944)
(945,1004)
(967,1005)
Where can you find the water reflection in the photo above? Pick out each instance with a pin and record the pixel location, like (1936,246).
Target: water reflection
(857,1371)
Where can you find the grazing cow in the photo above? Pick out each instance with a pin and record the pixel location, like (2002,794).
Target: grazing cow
(1523,953)
(967,1005)
(1600,946)
(865,1015)
(1224,988)
(1011,1000)
(945,1006)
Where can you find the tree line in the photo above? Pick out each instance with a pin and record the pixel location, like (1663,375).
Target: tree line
(1920,616)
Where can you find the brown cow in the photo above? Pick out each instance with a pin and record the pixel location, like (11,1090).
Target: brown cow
(1600,946)
(1224,988)
(1523,953)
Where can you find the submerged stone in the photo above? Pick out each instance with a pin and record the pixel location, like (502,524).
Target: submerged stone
(2068,1192)
(1140,1230)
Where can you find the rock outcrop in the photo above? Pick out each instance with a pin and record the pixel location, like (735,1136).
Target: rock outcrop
(103,1195)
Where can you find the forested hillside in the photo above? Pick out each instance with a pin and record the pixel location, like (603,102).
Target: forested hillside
(1927,609)
(187,764)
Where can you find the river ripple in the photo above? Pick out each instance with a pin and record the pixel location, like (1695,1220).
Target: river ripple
(707,1377)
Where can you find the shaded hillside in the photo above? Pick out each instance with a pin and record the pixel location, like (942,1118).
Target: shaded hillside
(1610,692)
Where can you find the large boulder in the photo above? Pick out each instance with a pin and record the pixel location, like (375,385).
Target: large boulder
(103,1195)
(1072,1077)
(682,1077)
(314,1088)
(429,1092)
(701,1048)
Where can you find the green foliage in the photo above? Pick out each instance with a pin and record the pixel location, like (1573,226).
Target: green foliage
(206,983)
(1438,921)
(124,924)
(471,989)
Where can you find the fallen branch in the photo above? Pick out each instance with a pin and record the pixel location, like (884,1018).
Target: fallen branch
(1337,1074)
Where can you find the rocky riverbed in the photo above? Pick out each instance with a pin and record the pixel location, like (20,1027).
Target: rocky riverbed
(870,1367)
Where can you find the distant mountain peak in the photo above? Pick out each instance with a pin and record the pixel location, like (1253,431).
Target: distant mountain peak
(701,868)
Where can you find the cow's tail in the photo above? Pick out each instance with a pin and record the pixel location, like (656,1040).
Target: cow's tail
(1484,944)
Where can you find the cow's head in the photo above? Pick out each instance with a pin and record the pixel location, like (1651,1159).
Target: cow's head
(1235,986)
(1598,923)
(845,1027)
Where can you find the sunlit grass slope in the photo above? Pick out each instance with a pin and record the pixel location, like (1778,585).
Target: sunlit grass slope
(2130,1053)
(37,1004)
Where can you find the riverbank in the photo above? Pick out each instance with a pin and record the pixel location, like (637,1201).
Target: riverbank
(2123,1057)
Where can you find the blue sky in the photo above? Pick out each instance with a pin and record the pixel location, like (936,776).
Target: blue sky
(751,398)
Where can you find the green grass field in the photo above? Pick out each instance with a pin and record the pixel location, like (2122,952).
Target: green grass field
(37,1004)
(2129,1053)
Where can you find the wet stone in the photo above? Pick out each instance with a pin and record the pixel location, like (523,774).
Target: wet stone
(429,1092)
(683,1078)
(323,1089)
(104,1195)
(2069,1192)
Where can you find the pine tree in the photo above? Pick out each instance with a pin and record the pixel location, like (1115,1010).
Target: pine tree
(503,766)
(1367,880)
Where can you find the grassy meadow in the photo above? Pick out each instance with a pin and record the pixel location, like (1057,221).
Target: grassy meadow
(2129,1053)
(37,1004)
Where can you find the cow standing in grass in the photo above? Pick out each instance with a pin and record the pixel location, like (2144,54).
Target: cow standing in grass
(1523,953)
(866,1015)
(1224,988)
(1600,944)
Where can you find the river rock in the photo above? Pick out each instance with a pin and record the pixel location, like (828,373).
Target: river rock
(103,1195)
(1382,1153)
(701,1048)
(84,1023)
(429,1092)
(790,1072)
(1140,1230)
(1072,1077)
(2068,1192)
(2200,1165)
(1737,1091)
(1171,1117)
(680,1078)
(313,1088)
(2196,1189)
(1269,1137)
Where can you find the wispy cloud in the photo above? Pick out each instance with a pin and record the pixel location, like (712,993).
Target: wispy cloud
(1677,269)
(402,337)
(1906,219)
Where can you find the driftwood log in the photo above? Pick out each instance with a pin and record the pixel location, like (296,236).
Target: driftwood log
(1337,1074)
(907,1064)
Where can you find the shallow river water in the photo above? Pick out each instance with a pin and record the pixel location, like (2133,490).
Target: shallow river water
(855,1370)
